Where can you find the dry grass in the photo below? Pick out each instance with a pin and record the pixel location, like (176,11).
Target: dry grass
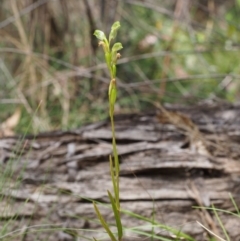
(50,59)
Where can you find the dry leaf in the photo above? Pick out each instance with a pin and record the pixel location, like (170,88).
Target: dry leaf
(10,123)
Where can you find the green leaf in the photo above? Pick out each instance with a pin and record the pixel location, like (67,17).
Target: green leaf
(117,216)
(116,25)
(104,224)
(114,30)
(116,47)
(100,35)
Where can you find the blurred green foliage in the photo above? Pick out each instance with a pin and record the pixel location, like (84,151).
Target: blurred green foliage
(173,52)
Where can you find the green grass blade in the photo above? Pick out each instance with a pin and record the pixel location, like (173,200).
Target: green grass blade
(152,236)
(218,210)
(220,223)
(116,215)
(234,204)
(104,224)
(157,224)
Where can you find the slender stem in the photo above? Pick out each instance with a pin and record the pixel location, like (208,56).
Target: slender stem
(116,161)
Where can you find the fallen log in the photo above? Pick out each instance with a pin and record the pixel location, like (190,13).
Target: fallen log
(170,161)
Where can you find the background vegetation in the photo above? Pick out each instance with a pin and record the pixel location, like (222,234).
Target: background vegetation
(178,51)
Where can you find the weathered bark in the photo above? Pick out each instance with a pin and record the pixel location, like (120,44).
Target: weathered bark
(170,162)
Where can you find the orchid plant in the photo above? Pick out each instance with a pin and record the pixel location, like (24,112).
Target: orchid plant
(111,57)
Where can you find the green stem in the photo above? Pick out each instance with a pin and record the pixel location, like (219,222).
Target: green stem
(116,161)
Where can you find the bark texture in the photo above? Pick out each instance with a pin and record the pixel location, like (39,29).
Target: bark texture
(171,160)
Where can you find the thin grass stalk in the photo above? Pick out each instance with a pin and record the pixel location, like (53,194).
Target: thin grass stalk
(220,223)
(234,204)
